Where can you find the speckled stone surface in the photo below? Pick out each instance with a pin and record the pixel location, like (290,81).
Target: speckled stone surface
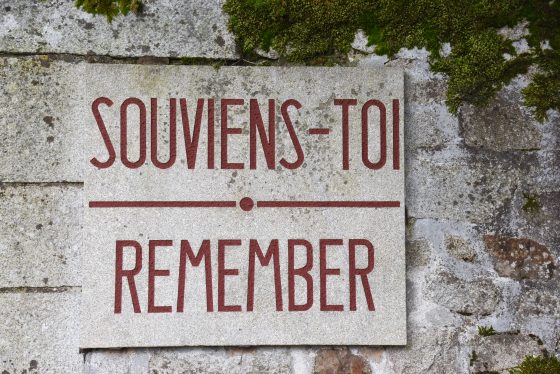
(164,28)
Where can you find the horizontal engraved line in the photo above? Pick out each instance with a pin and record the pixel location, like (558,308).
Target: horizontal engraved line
(162,204)
(319,131)
(245,205)
(328,204)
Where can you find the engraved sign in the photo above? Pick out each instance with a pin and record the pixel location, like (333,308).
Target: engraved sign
(242,206)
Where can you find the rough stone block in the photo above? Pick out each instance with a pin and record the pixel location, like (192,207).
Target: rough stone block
(37,132)
(539,302)
(429,350)
(451,185)
(535,215)
(39,332)
(429,126)
(542,174)
(479,296)
(459,248)
(520,258)
(533,210)
(503,125)
(41,235)
(164,28)
(340,361)
(500,352)
(229,360)
(424,89)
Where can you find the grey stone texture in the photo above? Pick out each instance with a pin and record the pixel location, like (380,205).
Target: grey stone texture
(37,134)
(498,353)
(460,248)
(467,178)
(503,125)
(39,331)
(430,350)
(478,296)
(41,235)
(164,28)
(189,360)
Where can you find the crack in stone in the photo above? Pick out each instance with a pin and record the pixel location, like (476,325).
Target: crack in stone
(138,60)
(42,184)
(58,289)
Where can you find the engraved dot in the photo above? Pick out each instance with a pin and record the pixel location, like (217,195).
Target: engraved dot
(246,204)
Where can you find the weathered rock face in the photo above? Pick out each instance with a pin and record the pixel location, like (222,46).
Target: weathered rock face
(500,352)
(418,252)
(479,296)
(460,248)
(520,258)
(191,29)
(475,255)
(40,237)
(430,350)
(340,361)
(501,126)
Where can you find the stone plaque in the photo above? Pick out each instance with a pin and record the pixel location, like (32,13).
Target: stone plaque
(242,206)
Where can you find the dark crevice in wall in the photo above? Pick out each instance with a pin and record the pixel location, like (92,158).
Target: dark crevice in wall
(143,60)
(42,184)
(59,289)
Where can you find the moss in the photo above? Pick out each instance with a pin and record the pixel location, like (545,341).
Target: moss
(473,358)
(300,30)
(486,331)
(193,61)
(537,365)
(543,93)
(532,203)
(476,69)
(481,62)
(110,8)
(200,61)
(311,31)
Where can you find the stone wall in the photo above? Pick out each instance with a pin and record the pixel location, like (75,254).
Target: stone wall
(482,201)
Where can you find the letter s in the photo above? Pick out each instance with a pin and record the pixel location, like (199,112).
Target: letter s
(104,134)
(293,135)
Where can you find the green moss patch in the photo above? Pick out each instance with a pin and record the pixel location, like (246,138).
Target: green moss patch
(532,203)
(486,331)
(481,61)
(110,8)
(537,365)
